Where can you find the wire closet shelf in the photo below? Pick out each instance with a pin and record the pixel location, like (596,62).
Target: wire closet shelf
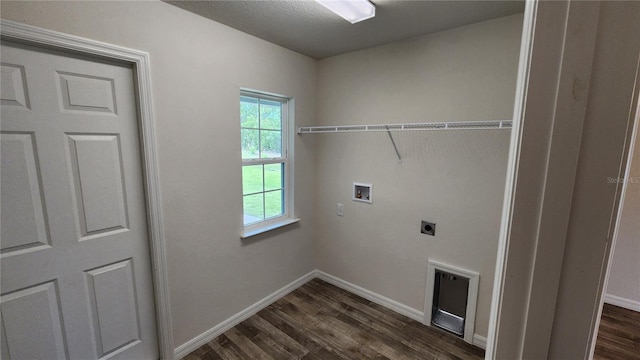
(457,125)
(388,128)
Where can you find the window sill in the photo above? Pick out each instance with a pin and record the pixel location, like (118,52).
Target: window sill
(261,229)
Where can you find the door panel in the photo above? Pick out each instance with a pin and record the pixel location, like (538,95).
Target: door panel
(113,306)
(14,87)
(74,231)
(98,183)
(31,314)
(86,93)
(21,189)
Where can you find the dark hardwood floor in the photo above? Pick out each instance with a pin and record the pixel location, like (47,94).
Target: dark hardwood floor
(321,321)
(619,334)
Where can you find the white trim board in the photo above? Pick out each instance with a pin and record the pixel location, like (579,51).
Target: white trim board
(23,33)
(371,296)
(479,341)
(390,304)
(191,345)
(522,84)
(622,302)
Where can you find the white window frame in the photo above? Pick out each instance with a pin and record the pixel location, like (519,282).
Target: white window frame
(287,159)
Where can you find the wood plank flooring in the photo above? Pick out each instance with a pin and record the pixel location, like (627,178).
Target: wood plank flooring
(321,321)
(618,335)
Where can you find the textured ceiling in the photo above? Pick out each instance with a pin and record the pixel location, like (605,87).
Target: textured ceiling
(307,27)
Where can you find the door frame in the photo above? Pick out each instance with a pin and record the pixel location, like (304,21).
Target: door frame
(615,228)
(32,35)
(541,175)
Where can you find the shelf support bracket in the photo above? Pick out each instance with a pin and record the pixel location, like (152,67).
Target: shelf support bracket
(393,143)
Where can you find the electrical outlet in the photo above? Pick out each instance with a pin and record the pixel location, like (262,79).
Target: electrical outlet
(428,228)
(340,209)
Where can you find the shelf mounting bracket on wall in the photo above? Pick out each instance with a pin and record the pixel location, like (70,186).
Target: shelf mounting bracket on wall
(394,144)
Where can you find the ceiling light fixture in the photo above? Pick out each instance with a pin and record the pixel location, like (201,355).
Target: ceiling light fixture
(351,10)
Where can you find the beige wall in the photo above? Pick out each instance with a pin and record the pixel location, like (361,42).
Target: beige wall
(625,264)
(455,179)
(197,68)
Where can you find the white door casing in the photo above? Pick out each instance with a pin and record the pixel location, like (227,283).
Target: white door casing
(74,195)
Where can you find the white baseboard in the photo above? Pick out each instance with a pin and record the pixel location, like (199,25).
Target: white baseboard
(402,309)
(622,302)
(393,305)
(480,341)
(191,345)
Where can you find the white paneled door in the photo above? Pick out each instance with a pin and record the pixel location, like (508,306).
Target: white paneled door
(76,276)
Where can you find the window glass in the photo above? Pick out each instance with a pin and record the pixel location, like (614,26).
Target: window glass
(270,144)
(250,143)
(264,160)
(273,177)
(252,179)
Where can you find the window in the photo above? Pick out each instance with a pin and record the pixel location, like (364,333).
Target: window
(265,159)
